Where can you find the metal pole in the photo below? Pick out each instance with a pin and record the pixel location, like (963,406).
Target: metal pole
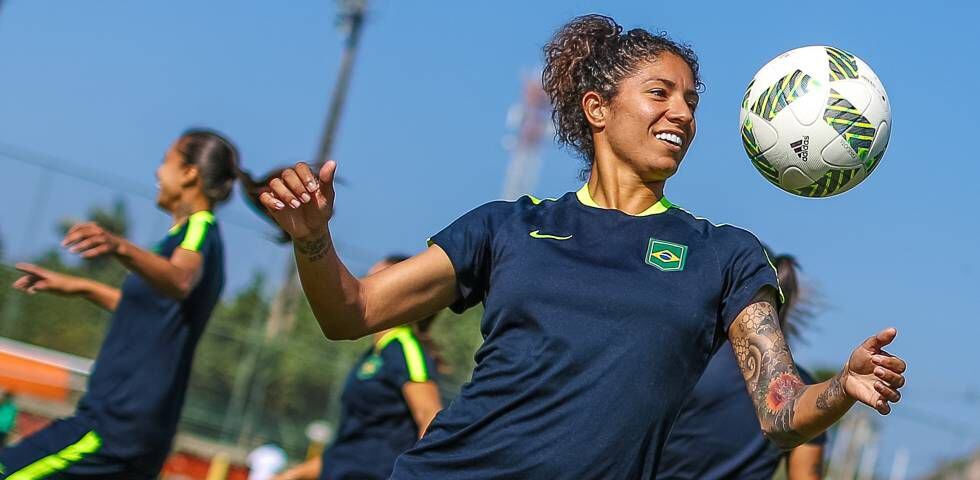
(352,18)
(869,459)
(900,464)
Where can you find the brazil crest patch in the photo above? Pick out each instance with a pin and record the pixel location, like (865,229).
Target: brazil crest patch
(370,367)
(666,256)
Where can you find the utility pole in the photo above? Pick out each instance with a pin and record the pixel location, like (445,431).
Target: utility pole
(282,311)
(900,464)
(351,20)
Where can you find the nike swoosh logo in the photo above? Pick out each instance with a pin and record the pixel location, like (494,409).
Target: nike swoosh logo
(538,234)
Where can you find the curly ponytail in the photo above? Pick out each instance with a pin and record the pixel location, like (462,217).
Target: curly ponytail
(592,54)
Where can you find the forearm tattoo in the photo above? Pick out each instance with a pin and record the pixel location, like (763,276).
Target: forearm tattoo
(832,394)
(767,366)
(316,248)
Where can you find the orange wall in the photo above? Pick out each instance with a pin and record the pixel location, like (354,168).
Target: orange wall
(29,377)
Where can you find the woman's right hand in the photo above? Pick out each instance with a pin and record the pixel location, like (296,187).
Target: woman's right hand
(37,279)
(301,202)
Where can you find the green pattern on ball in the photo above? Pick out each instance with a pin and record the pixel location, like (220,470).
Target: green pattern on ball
(842,64)
(828,184)
(748,90)
(781,94)
(872,162)
(848,121)
(755,153)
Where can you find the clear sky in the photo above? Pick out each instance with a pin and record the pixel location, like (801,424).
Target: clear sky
(107,85)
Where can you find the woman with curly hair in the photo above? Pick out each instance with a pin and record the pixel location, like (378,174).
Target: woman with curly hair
(602,307)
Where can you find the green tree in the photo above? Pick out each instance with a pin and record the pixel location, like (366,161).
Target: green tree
(70,325)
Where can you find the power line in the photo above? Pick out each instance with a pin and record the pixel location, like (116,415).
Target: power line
(69,169)
(103,179)
(121,184)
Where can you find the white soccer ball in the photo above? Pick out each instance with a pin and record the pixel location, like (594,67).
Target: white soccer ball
(815,121)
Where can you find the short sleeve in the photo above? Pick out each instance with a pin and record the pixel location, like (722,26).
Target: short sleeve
(808,379)
(746,271)
(468,243)
(405,361)
(199,225)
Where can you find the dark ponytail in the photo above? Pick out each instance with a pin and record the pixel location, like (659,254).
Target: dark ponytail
(216,159)
(795,313)
(422,328)
(592,54)
(218,164)
(251,189)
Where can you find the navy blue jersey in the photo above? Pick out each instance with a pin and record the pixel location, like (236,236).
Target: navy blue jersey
(138,382)
(597,325)
(717,434)
(376,424)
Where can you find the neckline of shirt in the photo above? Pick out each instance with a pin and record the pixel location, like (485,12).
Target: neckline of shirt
(585,198)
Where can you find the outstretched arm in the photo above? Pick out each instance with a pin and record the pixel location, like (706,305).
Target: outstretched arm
(344,306)
(790,411)
(175,277)
(37,279)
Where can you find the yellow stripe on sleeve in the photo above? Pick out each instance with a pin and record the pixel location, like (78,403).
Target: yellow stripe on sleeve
(418,371)
(414,359)
(197,229)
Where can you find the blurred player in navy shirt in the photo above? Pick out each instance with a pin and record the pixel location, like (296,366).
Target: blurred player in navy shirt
(389,399)
(124,425)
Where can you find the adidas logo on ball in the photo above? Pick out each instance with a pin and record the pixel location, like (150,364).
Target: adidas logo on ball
(801,147)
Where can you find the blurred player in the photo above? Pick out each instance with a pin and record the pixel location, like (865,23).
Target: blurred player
(717,435)
(124,425)
(388,401)
(602,307)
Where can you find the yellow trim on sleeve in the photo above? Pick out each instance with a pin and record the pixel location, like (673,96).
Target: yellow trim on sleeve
(779,288)
(414,358)
(198,225)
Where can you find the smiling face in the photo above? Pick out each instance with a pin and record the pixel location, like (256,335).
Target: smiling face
(649,123)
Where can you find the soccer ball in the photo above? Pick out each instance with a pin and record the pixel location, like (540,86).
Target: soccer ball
(815,121)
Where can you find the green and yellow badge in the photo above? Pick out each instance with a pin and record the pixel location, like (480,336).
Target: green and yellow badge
(370,367)
(666,256)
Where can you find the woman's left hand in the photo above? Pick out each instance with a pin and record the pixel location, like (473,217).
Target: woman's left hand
(90,240)
(873,376)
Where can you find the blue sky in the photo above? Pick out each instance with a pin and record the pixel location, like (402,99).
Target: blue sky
(107,85)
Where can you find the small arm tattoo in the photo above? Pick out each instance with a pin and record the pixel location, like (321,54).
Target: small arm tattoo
(768,369)
(316,248)
(833,393)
